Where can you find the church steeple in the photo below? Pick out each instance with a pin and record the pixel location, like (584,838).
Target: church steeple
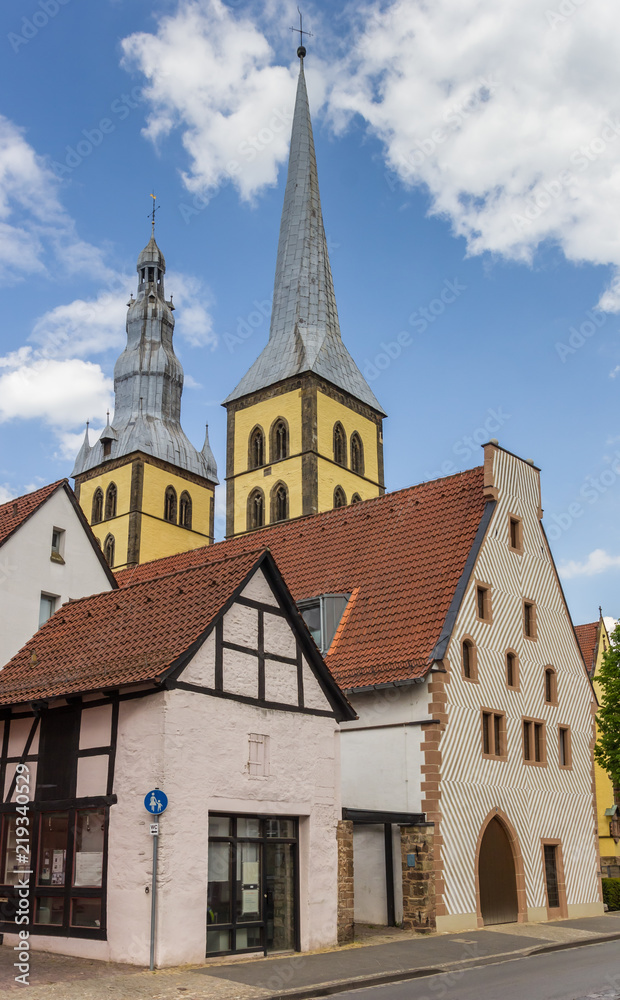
(145,436)
(339,418)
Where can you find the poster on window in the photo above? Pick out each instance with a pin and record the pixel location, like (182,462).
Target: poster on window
(88,868)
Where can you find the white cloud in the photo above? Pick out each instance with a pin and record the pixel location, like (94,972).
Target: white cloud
(192,300)
(507,115)
(63,393)
(597,562)
(210,72)
(6,493)
(84,327)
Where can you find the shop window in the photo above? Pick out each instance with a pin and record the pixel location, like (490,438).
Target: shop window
(110,501)
(185,510)
(97,506)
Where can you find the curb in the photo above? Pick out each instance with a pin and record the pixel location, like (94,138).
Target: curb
(348,985)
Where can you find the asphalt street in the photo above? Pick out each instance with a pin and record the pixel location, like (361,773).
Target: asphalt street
(586,973)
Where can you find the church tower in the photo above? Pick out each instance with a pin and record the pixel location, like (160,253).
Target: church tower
(304,428)
(144,488)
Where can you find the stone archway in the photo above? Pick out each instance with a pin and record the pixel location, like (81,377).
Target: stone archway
(499,873)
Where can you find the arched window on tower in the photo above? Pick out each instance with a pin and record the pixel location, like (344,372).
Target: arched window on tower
(357,454)
(108,550)
(356,498)
(340,444)
(170,505)
(279,440)
(185,510)
(279,503)
(340,499)
(256,509)
(256,456)
(110,501)
(97,510)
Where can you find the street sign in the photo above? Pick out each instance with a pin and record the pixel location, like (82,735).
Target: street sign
(155,802)
(154,829)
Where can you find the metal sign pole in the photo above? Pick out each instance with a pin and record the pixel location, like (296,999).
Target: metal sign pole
(154,901)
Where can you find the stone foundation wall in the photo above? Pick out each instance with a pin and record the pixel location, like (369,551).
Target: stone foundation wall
(417,844)
(346,897)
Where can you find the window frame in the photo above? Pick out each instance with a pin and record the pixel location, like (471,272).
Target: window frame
(170,496)
(274,503)
(252,495)
(96,512)
(517,522)
(109,540)
(533,723)
(111,502)
(497,732)
(515,686)
(274,455)
(53,599)
(568,752)
(532,635)
(554,912)
(256,433)
(358,467)
(57,552)
(339,494)
(336,451)
(550,675)
(468,640)
(485,589)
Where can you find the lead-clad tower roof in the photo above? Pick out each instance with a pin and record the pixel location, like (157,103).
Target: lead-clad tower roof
(305,331)
(148,382)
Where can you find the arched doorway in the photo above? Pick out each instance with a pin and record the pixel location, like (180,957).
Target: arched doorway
(497,877)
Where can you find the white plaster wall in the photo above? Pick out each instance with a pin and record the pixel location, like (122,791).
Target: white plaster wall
(27,570)
(381,768)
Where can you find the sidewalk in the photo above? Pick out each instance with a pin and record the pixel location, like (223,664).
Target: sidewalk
(298,976)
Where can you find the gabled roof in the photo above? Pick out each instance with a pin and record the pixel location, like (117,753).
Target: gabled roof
(401,557)
(16,512)
(587,636)
(140,634)
(305,331)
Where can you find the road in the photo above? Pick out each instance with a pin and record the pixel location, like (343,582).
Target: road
(586,973)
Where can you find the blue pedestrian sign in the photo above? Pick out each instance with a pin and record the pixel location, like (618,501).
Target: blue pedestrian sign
(155,802)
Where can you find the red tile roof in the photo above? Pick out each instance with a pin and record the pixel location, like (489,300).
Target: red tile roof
(587,636)
(403,553)
(15,512)
(124,636)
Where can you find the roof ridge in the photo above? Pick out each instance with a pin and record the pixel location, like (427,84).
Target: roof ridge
(32,493)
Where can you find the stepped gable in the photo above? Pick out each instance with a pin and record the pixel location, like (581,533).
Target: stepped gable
(403,554)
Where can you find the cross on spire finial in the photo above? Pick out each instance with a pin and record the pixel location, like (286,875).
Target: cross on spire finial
(301,51)
(152,213)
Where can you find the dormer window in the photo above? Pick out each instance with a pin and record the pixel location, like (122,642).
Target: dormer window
(322,616)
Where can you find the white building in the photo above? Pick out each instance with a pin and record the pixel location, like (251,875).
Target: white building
(205,684)
(48,555)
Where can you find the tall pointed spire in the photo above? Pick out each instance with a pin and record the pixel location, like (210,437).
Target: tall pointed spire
(305,330)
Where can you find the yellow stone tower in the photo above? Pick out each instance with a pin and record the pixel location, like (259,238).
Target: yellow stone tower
(144,488)
(304,428)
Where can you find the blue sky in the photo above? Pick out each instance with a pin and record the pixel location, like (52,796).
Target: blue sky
(463,148)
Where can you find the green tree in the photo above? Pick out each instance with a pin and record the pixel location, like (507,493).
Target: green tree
(607,749)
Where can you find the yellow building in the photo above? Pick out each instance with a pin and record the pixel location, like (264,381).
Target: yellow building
(304,428)
(594,642)
(144,488)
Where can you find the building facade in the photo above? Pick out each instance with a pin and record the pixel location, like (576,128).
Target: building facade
(48,556)
(594,641)
(146,491)
(305,431)
(205,685)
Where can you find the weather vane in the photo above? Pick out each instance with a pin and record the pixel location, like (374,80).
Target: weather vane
(155,209)
(301,51)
